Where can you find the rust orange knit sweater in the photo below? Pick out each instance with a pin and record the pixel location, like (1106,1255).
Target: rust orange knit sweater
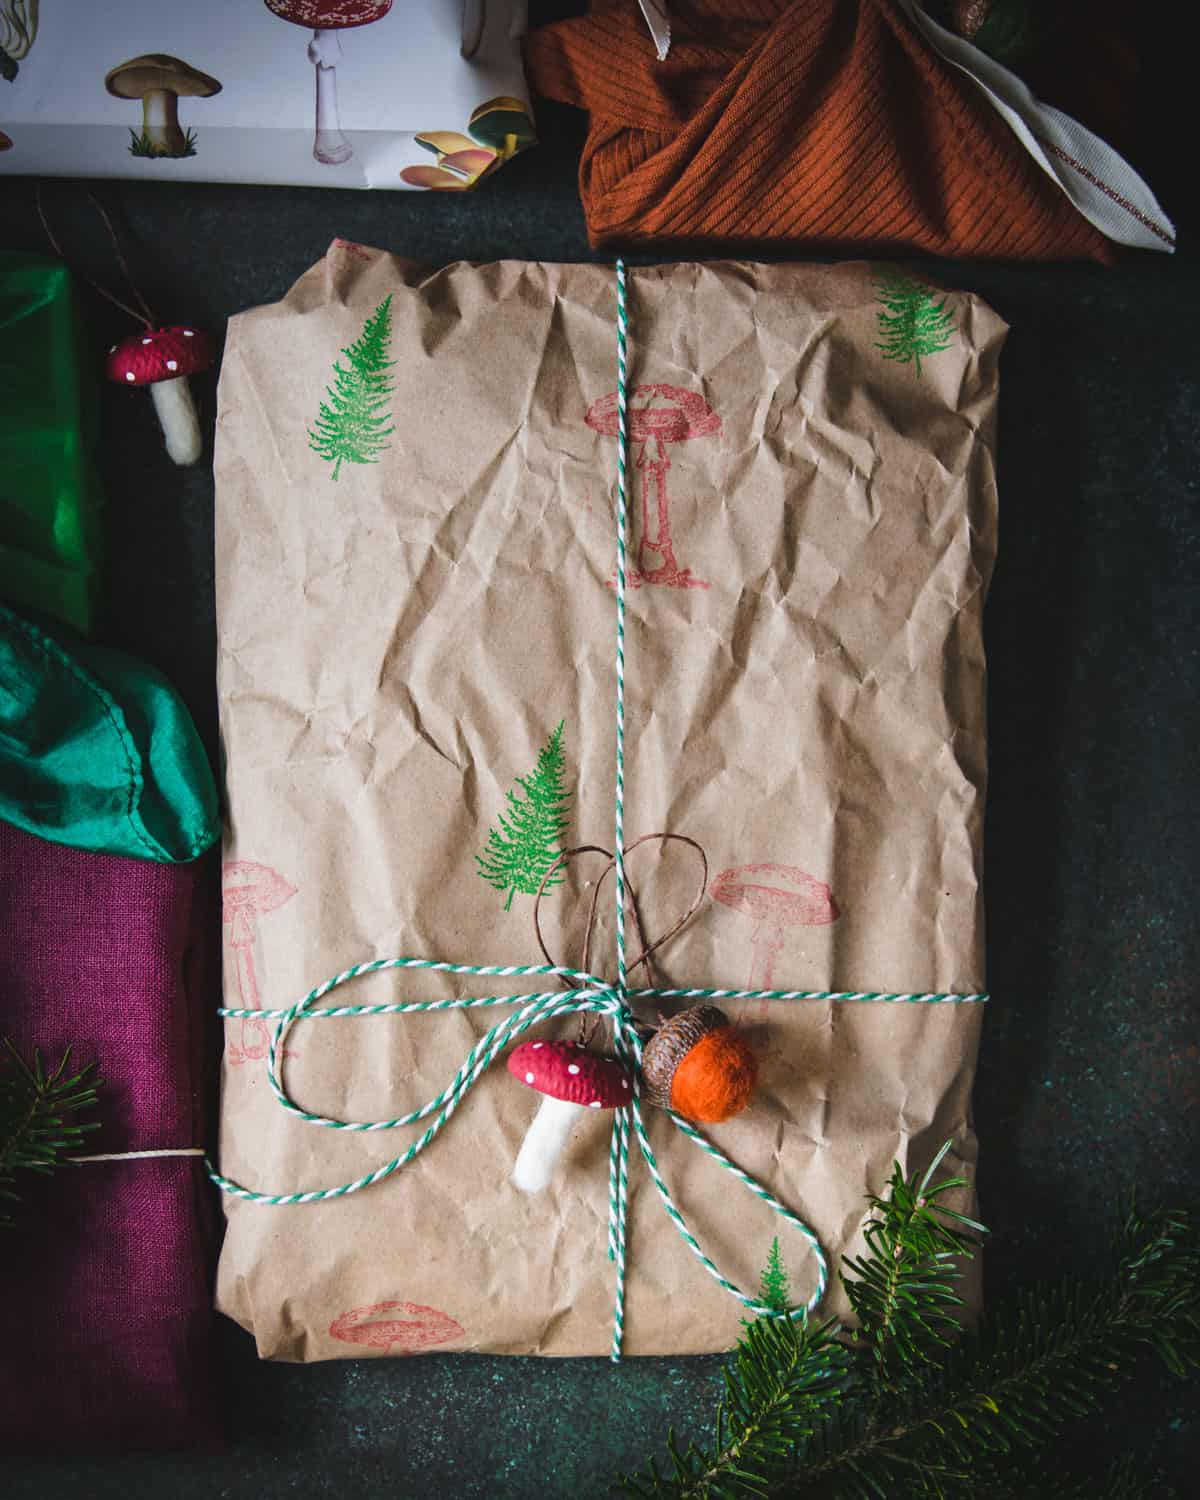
(828,123)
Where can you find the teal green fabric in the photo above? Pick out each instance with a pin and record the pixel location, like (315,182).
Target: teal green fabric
(50,498)
(98,751)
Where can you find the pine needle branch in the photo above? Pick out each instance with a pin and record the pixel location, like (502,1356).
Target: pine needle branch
(36,1116)
(783,1378)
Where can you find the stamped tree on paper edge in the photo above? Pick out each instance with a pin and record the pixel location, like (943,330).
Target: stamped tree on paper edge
(912,325)
(353,423)
(527,838)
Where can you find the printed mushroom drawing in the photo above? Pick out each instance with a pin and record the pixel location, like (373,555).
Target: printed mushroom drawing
(473,19)
(160,81)
(163,358)
(572,1081)
(249,891)
(408,1326)
(18,32)
(325,18)
(685,415)
(698,1066)
(499,128)
(777,898)
(5,143)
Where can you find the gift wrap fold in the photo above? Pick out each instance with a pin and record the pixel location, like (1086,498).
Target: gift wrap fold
(415,561)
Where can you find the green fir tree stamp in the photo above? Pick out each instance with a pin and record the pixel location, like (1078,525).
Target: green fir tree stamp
(353,424)
(912,325)
(527,839)
(774,1290)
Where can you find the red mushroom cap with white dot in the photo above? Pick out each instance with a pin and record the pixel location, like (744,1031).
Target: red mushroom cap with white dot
(330,15)
(159,354)
(567,1071)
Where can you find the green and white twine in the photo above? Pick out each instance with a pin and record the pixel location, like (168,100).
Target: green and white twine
(588,993)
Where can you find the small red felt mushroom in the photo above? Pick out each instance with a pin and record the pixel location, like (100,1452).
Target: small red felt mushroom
(573,1081)
(163,358)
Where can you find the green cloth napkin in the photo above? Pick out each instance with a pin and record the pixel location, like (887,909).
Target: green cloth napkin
(98,751)
(50,494)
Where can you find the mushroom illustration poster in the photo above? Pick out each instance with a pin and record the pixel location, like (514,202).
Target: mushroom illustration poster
(335,93)
(417,672)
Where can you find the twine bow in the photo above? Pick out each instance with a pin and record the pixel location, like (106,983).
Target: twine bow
(586,994)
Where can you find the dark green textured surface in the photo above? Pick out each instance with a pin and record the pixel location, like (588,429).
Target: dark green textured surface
(1090,1072)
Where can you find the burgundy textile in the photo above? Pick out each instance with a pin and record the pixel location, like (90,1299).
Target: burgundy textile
(105,1316)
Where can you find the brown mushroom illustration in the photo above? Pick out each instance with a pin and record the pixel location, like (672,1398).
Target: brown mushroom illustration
(777,897)
(686,415)
(18,32)
(249,891)
(160,81)
(572,1081)
(698,1066)
(325,18)
(5,143)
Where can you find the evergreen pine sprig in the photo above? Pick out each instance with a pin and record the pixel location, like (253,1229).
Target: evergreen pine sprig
(911,1407)
(783,1378)
(36,1116)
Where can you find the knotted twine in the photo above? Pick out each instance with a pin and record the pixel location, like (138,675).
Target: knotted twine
(588,993)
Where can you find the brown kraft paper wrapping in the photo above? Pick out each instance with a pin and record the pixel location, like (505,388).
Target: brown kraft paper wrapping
(805,691)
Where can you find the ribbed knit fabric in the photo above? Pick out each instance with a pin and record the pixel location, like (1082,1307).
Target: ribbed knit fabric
(106,1317)
(827,123)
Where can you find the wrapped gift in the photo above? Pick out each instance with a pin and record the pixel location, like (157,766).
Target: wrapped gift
(50,495)
(415,590)
(332,93)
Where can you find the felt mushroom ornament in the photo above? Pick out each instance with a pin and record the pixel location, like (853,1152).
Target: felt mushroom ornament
(573,1081)
(697,1065)
(163,358)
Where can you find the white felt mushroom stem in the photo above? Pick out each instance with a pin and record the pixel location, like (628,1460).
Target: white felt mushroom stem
(177,418)
(544,1143)
(329,144)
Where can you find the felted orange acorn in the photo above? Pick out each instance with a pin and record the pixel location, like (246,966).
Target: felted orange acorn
(697,1065)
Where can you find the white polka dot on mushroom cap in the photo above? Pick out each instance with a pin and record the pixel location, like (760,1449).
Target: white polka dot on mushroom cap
(145,341)
(624,1083)
(538,1045)
(529,1078)
(129,375)
(595,1104)
(187,333)
(172,364)
(572,1067)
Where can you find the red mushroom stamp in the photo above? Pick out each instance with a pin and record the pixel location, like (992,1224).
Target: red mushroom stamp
(677,417)
(249,891)
(406,1326)
(776,898)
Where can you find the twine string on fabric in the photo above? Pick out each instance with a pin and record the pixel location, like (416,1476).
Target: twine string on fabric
(587,994)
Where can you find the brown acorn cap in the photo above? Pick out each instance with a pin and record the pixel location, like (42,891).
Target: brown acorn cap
(668,1047)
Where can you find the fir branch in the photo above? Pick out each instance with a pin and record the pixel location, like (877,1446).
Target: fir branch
(906,1406)
(902,1290)
(784,1375)
(36,1110)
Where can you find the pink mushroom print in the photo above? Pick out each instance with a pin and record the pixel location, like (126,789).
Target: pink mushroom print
(326,18)
(248,891)
(387,1325)
(684,415)
(776,897)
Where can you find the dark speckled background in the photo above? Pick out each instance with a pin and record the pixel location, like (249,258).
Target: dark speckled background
(1090,1073)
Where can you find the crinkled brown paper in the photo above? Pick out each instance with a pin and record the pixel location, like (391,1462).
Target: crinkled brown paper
(397,645)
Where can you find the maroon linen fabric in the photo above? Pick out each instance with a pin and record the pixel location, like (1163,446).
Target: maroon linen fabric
(105,1317)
